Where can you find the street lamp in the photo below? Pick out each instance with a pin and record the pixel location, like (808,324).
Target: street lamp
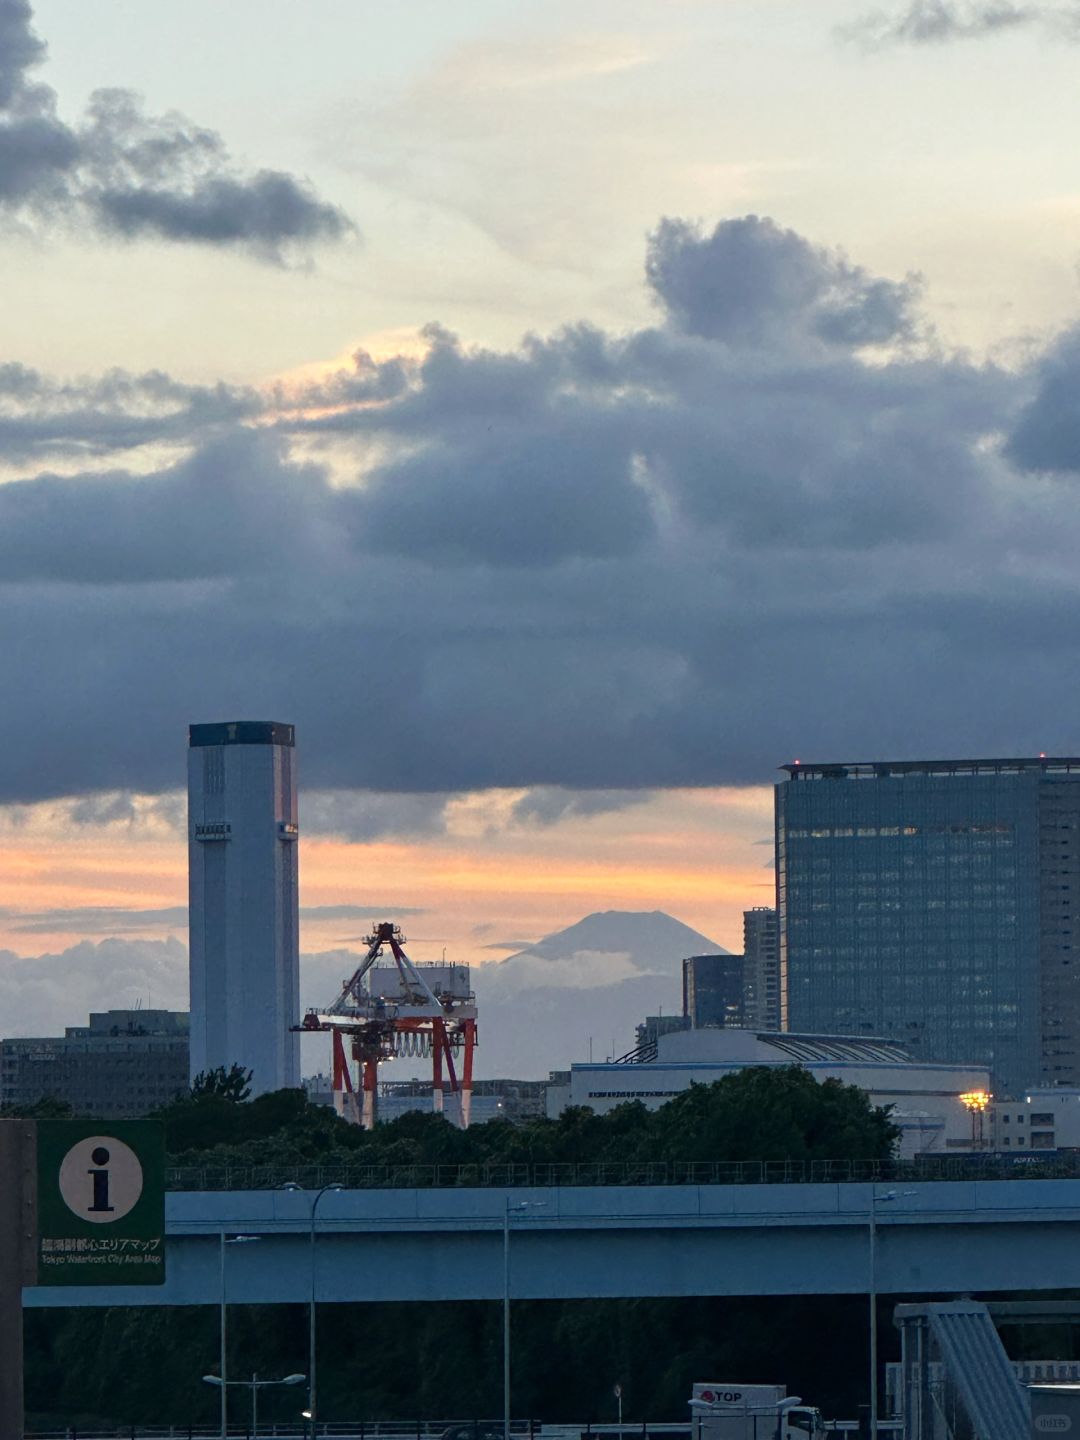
(875,1201)
(507,1211)
(225,1240)
(254,1385)
(311,1413)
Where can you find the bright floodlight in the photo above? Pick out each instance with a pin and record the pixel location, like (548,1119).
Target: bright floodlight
(293,1380)
(212,1379)
(976,1099)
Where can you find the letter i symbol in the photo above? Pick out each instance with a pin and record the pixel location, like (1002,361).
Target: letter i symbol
(100,1157)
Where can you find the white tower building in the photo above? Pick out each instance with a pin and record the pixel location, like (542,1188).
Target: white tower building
(242,882)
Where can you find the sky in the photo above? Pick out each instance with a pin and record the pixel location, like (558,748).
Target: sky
(562,415)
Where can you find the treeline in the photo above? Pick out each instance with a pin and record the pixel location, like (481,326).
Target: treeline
(761,1113)
(443,1361)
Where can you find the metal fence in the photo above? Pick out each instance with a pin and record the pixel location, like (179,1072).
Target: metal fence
(673,1172)
(379,1430)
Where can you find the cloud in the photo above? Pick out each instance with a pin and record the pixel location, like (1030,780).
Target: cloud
(550,804)
(1046,436)
(95,920)
(41,994)
(116,920)
(256,508)
(784,519)
(934,22)
(133,175)
(360,816)
(749,281)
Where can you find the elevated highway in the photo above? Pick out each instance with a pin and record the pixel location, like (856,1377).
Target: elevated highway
(573,1242)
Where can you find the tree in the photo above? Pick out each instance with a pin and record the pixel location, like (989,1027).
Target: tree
(233,1084)
(769,1112)
(49,1107)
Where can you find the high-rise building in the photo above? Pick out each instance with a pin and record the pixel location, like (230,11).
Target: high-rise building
(930,902)
(713,987)
(244,918)
(122,1063)
(761,968)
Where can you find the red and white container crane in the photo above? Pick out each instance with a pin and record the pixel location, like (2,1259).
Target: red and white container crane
(395,1009)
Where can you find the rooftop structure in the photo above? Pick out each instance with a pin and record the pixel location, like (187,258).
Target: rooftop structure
(884,769)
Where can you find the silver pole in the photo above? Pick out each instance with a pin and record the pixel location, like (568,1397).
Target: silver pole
(311,1321)
(506,1320)
(254,1406)
(873,1320)
(224,1377)
(312,1386)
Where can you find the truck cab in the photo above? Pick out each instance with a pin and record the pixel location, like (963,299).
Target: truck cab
(802,1421)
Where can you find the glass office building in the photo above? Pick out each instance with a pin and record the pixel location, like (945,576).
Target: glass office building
(931,903)
(713,990)
(761,968)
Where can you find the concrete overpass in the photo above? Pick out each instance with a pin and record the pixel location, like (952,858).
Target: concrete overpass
(939,1238)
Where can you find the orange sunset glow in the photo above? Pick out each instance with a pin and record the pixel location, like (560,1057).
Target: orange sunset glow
(695,854)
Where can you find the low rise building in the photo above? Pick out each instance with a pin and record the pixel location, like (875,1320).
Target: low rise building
(122,1063)
(926,1099)
(1043,1120)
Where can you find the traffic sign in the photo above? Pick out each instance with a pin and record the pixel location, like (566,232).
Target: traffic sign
(101,1202)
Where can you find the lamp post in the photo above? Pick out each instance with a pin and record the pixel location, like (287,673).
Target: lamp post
(254,1385)
(225,1240)
(976,1102)
(875,1201)
(507,1212)
(311,1413)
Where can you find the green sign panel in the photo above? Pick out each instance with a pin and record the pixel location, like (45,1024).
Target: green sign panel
(101,1202)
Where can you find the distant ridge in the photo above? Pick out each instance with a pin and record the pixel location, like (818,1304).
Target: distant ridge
(581,991)
(653,941)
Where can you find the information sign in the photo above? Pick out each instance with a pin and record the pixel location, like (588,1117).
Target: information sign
(101,1202)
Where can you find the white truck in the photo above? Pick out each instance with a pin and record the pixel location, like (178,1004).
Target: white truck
(752,1412)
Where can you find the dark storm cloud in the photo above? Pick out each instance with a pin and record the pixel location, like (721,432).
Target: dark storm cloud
(1047,434)
(230,509)
(134,174)
(934,22)
(783,521)
(749,279)
(42,418)
(20,49)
